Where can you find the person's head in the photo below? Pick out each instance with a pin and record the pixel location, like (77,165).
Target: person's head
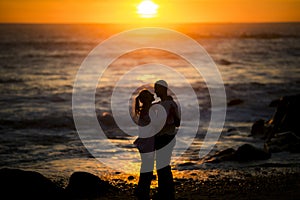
(146,98)
(161,88)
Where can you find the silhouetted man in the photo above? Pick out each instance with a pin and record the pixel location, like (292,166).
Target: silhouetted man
(165,142)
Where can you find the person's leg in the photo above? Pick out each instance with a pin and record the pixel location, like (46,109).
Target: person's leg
(165,147)
(146,173)
(166,189)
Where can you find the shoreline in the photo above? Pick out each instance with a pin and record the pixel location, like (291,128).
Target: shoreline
(260,182)
(247,183)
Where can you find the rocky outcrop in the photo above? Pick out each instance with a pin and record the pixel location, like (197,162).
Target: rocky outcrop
(287,141)
(259,129)
(224,62)
(19,184)
(246,152)
(235,102)
(109,126)
(282,132)
(107,120)
(83,185)
(284,119)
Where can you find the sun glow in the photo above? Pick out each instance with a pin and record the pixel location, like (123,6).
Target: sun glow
(147,9)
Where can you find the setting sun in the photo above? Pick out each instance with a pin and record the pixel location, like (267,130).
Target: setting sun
(147,9)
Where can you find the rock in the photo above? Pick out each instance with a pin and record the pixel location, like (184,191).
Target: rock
(107,119)
(109,126)
(235,102)
(286,117)
(287,141)
(224,62)
(246,152)
(225,155)
(231,130)
(282,132)
(186,164)
(274,103)
(83,185)
(19,184)
(259,129)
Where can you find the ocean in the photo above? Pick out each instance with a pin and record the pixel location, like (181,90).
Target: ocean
(38,65)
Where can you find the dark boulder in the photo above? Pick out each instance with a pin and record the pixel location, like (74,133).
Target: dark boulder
(286,116)
(224,62)
(83,185)
(287,141)
(285,119)
(225,155)
(246,152)
(19,184)
(235,102)
(258,129)
(274,103)
(109,126)
(107,119)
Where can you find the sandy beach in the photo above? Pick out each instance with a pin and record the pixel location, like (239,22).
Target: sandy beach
(261,182)
(253,183)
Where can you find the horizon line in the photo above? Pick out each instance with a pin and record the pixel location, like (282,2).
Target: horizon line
(154,23)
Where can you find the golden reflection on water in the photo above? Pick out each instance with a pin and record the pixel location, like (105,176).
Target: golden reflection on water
(59,171)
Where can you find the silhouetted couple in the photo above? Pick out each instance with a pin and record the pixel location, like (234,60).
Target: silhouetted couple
(156,140)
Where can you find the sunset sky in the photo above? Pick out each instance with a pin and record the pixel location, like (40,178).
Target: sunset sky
(169,11)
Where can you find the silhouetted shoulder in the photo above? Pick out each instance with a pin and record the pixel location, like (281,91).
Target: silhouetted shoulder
(169,98)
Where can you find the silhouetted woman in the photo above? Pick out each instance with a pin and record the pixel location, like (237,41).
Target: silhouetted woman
(144,144)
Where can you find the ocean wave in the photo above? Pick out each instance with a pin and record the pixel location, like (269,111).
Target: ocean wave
(268,36)
(46,98)
(11,80)
(47,122)
(244,36)
(54,55)
(61,120)
(47,43)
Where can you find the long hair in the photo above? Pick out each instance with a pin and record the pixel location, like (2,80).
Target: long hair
(137,108)
(140,99)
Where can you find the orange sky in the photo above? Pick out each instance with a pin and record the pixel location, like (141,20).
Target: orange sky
(170,11)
